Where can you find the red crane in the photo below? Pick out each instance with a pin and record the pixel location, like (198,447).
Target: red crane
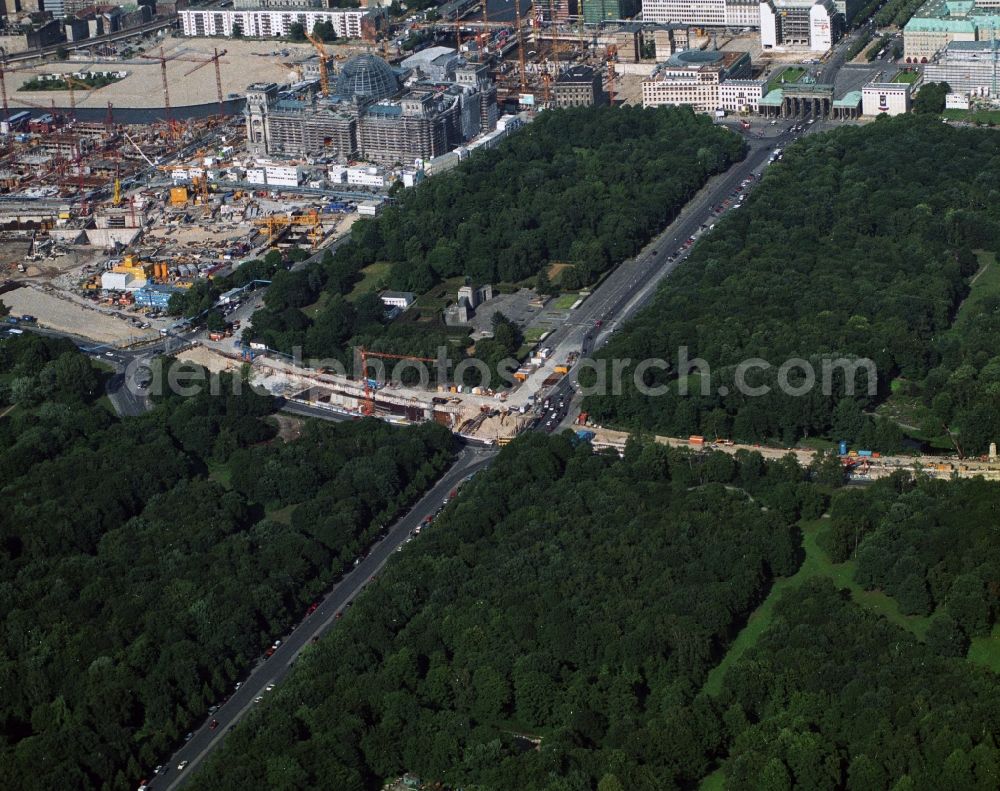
(368,407)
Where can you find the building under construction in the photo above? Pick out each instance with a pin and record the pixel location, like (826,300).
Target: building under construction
(369,115)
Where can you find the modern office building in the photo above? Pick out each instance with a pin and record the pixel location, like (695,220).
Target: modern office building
(815,25)
(271,22)
(708,13)
(596,11)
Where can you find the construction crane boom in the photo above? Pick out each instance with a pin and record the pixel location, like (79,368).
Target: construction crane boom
(520,47)
(215,59)
(324,77)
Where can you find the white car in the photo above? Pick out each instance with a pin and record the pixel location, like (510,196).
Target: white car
(269,687)
(181,765)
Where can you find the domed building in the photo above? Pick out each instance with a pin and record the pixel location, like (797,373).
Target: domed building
(367,78)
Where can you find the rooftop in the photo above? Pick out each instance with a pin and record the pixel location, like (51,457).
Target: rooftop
(851,99)
(954,16)
(577,74)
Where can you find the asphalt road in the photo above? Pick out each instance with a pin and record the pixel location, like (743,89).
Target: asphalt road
(629,287)
(273,670)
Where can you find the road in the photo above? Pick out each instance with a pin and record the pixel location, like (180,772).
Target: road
(272,671)
(629,287)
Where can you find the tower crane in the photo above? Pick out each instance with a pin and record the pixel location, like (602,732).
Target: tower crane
(166,90)
(368,407)
(72,83)
(520,47)
(324,77)
(215,59)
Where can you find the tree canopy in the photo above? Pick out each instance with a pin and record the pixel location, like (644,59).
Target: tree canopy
(147,562)
(583,186)
(856,245)
(566,596)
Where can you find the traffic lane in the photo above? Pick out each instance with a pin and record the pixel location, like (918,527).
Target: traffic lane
(468,461)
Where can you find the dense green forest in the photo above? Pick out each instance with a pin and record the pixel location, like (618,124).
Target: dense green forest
(567,596)
(833,697)
(931,545)
(858,244)
(583,186)
(555,630)
(138,582)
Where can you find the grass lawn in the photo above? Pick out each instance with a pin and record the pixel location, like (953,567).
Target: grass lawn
(221,474)
(313,310)
(534,334)
(791,74)
(714,782)
(373,277)
(973,116)
(815,564)
(282,515)
(565,302)
(985,651)
(908,77)
(985,284)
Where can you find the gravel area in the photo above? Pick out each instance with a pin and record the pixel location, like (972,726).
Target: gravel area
(244,62)
(66,316)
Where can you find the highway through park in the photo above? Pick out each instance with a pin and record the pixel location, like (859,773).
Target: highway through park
(623,292)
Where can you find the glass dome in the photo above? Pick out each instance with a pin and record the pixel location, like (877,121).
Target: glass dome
(366,77)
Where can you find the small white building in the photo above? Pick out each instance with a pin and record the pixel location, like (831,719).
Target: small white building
(412,177)
(397,299)
(891,98)
(336,174)
(283,175)
(256,176)
(366,176)
(119,281)
(956,101)
(369,208)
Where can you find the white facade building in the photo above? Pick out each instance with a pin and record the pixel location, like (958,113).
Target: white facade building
(815,25)
(366,176)
(283,175)
(956,101)
(711,13)
(891,98)
(398,299)
(268,23)
(820,28)
(739,95)
(255,176)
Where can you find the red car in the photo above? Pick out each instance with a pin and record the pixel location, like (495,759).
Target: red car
(269,652)
(213,724)
(312,608)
